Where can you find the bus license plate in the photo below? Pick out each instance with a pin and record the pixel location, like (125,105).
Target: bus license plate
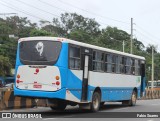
(37,86)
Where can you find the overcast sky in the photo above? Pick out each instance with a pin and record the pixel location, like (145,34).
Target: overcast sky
(118,13)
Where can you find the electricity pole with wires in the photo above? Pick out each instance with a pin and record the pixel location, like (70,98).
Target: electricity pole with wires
(131,35)
(152,67)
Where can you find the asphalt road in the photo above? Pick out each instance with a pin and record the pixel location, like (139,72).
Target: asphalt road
(145,107)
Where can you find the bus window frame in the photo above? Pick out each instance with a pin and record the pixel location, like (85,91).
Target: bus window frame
(76,46)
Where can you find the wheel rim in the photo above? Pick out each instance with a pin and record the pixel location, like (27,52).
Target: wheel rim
(134,98)
(95,102)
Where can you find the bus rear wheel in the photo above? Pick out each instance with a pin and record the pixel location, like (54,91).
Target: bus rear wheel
(59,107)
(132,101)
(95,104)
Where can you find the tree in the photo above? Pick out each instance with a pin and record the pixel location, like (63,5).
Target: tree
(37,32)
(8,49)
(149,48)
(112,37)
(5,66)
(20,26)
(81,36)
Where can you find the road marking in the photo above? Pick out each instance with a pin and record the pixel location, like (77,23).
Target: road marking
(48,118)
(121,108)
(114,109)
(58,117)
(155,104)
(150,120)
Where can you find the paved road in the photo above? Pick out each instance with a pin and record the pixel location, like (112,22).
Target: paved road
(110,109)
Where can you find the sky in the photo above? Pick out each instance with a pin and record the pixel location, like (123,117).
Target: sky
(115,13)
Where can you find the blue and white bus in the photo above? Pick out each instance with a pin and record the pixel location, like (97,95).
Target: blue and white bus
(67,72)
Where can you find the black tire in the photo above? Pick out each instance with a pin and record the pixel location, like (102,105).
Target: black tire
(95,104)
(59,107)
(132,101)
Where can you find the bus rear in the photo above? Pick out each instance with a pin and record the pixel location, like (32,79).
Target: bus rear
(39,68)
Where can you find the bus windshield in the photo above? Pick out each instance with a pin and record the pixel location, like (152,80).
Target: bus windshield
(39,52)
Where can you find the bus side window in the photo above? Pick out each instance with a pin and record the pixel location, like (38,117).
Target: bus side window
(108,63)
(114,63)
(137,67)
(132,66)
(74,57)
(123,65)
(98,61)
(128,65)
(118,64)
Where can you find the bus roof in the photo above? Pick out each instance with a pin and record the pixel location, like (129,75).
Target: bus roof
(80,44)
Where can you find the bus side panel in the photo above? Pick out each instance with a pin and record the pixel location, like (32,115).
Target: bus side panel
(114,87)
(63,57)
(18,62)
(117,94)
(74,85)
(111,94)
(62,64)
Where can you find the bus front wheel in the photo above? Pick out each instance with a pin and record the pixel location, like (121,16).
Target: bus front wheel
(132,101)
(95,104)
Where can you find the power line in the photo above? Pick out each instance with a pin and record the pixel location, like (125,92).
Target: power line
(147,32)
(52,6)
(145,36)
(148,37)
(36,8)
(65,10)
(22,11)
(92,12)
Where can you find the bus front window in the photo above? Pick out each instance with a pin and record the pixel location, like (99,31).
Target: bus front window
(39,52)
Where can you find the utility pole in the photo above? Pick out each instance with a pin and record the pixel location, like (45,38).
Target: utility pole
(131,35)
(152,68)
(123,45)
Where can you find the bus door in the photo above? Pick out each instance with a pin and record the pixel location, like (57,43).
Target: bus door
(86,64)
(143,81)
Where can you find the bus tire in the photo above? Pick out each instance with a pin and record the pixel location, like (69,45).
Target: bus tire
(95,104)
(59,107)
(132,101)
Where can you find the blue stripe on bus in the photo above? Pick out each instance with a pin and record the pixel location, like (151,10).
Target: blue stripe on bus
(63,57)
(74,84)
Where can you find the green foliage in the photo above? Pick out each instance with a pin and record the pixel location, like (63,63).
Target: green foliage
(81,36)
(73,26)
(8,49)
(36,32)
(5,66)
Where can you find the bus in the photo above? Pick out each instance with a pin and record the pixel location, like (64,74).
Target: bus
(68,72)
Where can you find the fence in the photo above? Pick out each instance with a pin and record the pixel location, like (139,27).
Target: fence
(152,93)
(9,101)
